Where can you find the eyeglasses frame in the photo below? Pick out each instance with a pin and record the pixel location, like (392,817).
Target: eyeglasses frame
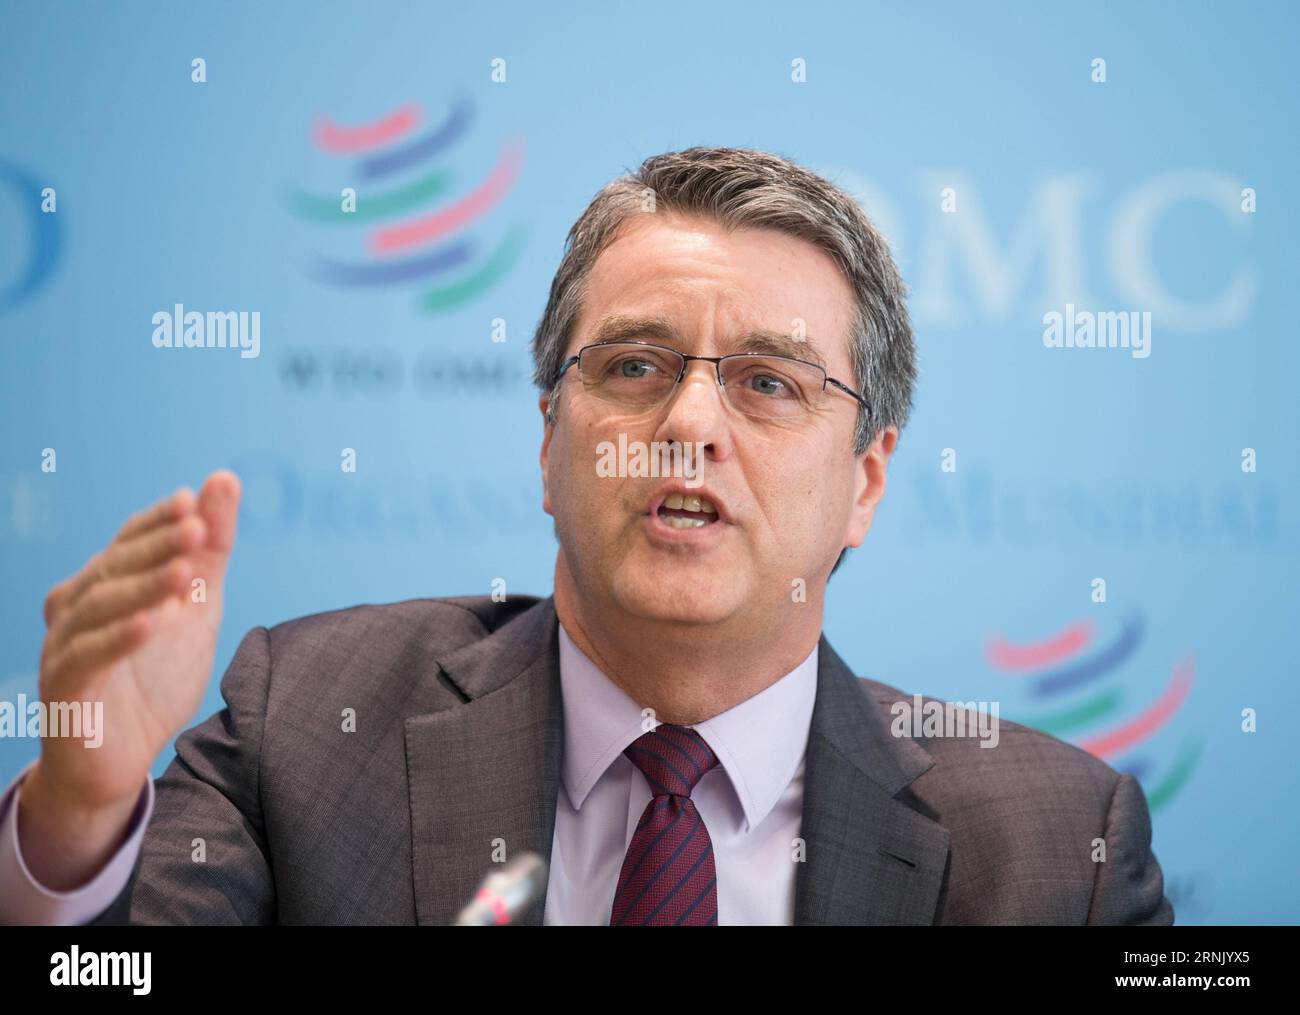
(717,365)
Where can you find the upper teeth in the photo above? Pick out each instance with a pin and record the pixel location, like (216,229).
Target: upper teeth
(678,503)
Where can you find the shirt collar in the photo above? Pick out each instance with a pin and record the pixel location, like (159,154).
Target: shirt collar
(760,742)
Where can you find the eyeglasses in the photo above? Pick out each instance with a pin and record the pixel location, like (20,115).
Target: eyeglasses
(638,376)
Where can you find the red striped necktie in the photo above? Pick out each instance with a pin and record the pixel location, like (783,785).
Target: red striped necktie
(668,878)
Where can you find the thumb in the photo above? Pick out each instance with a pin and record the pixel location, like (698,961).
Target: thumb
(219,508)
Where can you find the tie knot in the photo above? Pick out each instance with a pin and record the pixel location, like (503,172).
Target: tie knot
(672,758)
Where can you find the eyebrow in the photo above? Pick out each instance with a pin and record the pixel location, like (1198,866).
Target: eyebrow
(622,328)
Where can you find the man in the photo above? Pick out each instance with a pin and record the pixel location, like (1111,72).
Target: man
(670,730)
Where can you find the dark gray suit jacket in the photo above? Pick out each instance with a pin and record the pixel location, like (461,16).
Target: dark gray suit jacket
(458,740)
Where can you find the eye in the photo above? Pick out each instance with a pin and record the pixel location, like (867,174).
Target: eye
(770,385)
(632,368)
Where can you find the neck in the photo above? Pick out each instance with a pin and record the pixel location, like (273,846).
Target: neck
(686,673)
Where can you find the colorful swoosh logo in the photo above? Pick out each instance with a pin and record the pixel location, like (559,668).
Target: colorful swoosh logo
(419,226)
(1074,662)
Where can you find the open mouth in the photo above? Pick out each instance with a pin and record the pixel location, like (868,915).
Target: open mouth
(681,512)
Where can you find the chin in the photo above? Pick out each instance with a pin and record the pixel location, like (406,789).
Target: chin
(687,592)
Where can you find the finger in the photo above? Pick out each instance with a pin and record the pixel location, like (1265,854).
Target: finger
(169,509)
(178,506)
(147,551)
(67,591)
(119,597)
(91,651)
(219,507)
(56,598)
(132,557)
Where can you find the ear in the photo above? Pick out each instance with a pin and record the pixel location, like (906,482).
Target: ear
(548,428)
(869,485)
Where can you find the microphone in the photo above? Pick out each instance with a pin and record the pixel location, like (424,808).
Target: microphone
(506,893)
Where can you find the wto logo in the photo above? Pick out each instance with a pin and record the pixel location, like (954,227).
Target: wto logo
(21,277)
(1074,674)
(423,225)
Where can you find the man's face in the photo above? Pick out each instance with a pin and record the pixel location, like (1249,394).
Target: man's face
(789,493)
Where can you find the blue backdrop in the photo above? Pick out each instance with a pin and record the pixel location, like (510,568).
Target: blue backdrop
(1012,172)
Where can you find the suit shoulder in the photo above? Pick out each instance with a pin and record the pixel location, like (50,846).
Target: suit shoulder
(378,651)
(441,624)
(365,646)
(1018,759)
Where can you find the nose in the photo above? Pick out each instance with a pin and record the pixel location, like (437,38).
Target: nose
(697,411)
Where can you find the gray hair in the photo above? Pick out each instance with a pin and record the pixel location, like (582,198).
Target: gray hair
(742,187)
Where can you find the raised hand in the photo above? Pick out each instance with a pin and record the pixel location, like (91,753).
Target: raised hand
(136,630)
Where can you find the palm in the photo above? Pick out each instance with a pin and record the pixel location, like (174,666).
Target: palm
(150,692)
(150,695)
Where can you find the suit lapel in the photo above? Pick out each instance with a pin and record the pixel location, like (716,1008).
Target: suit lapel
(870,858)
(485,774)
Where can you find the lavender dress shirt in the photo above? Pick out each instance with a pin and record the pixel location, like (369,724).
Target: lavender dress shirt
(751,803)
